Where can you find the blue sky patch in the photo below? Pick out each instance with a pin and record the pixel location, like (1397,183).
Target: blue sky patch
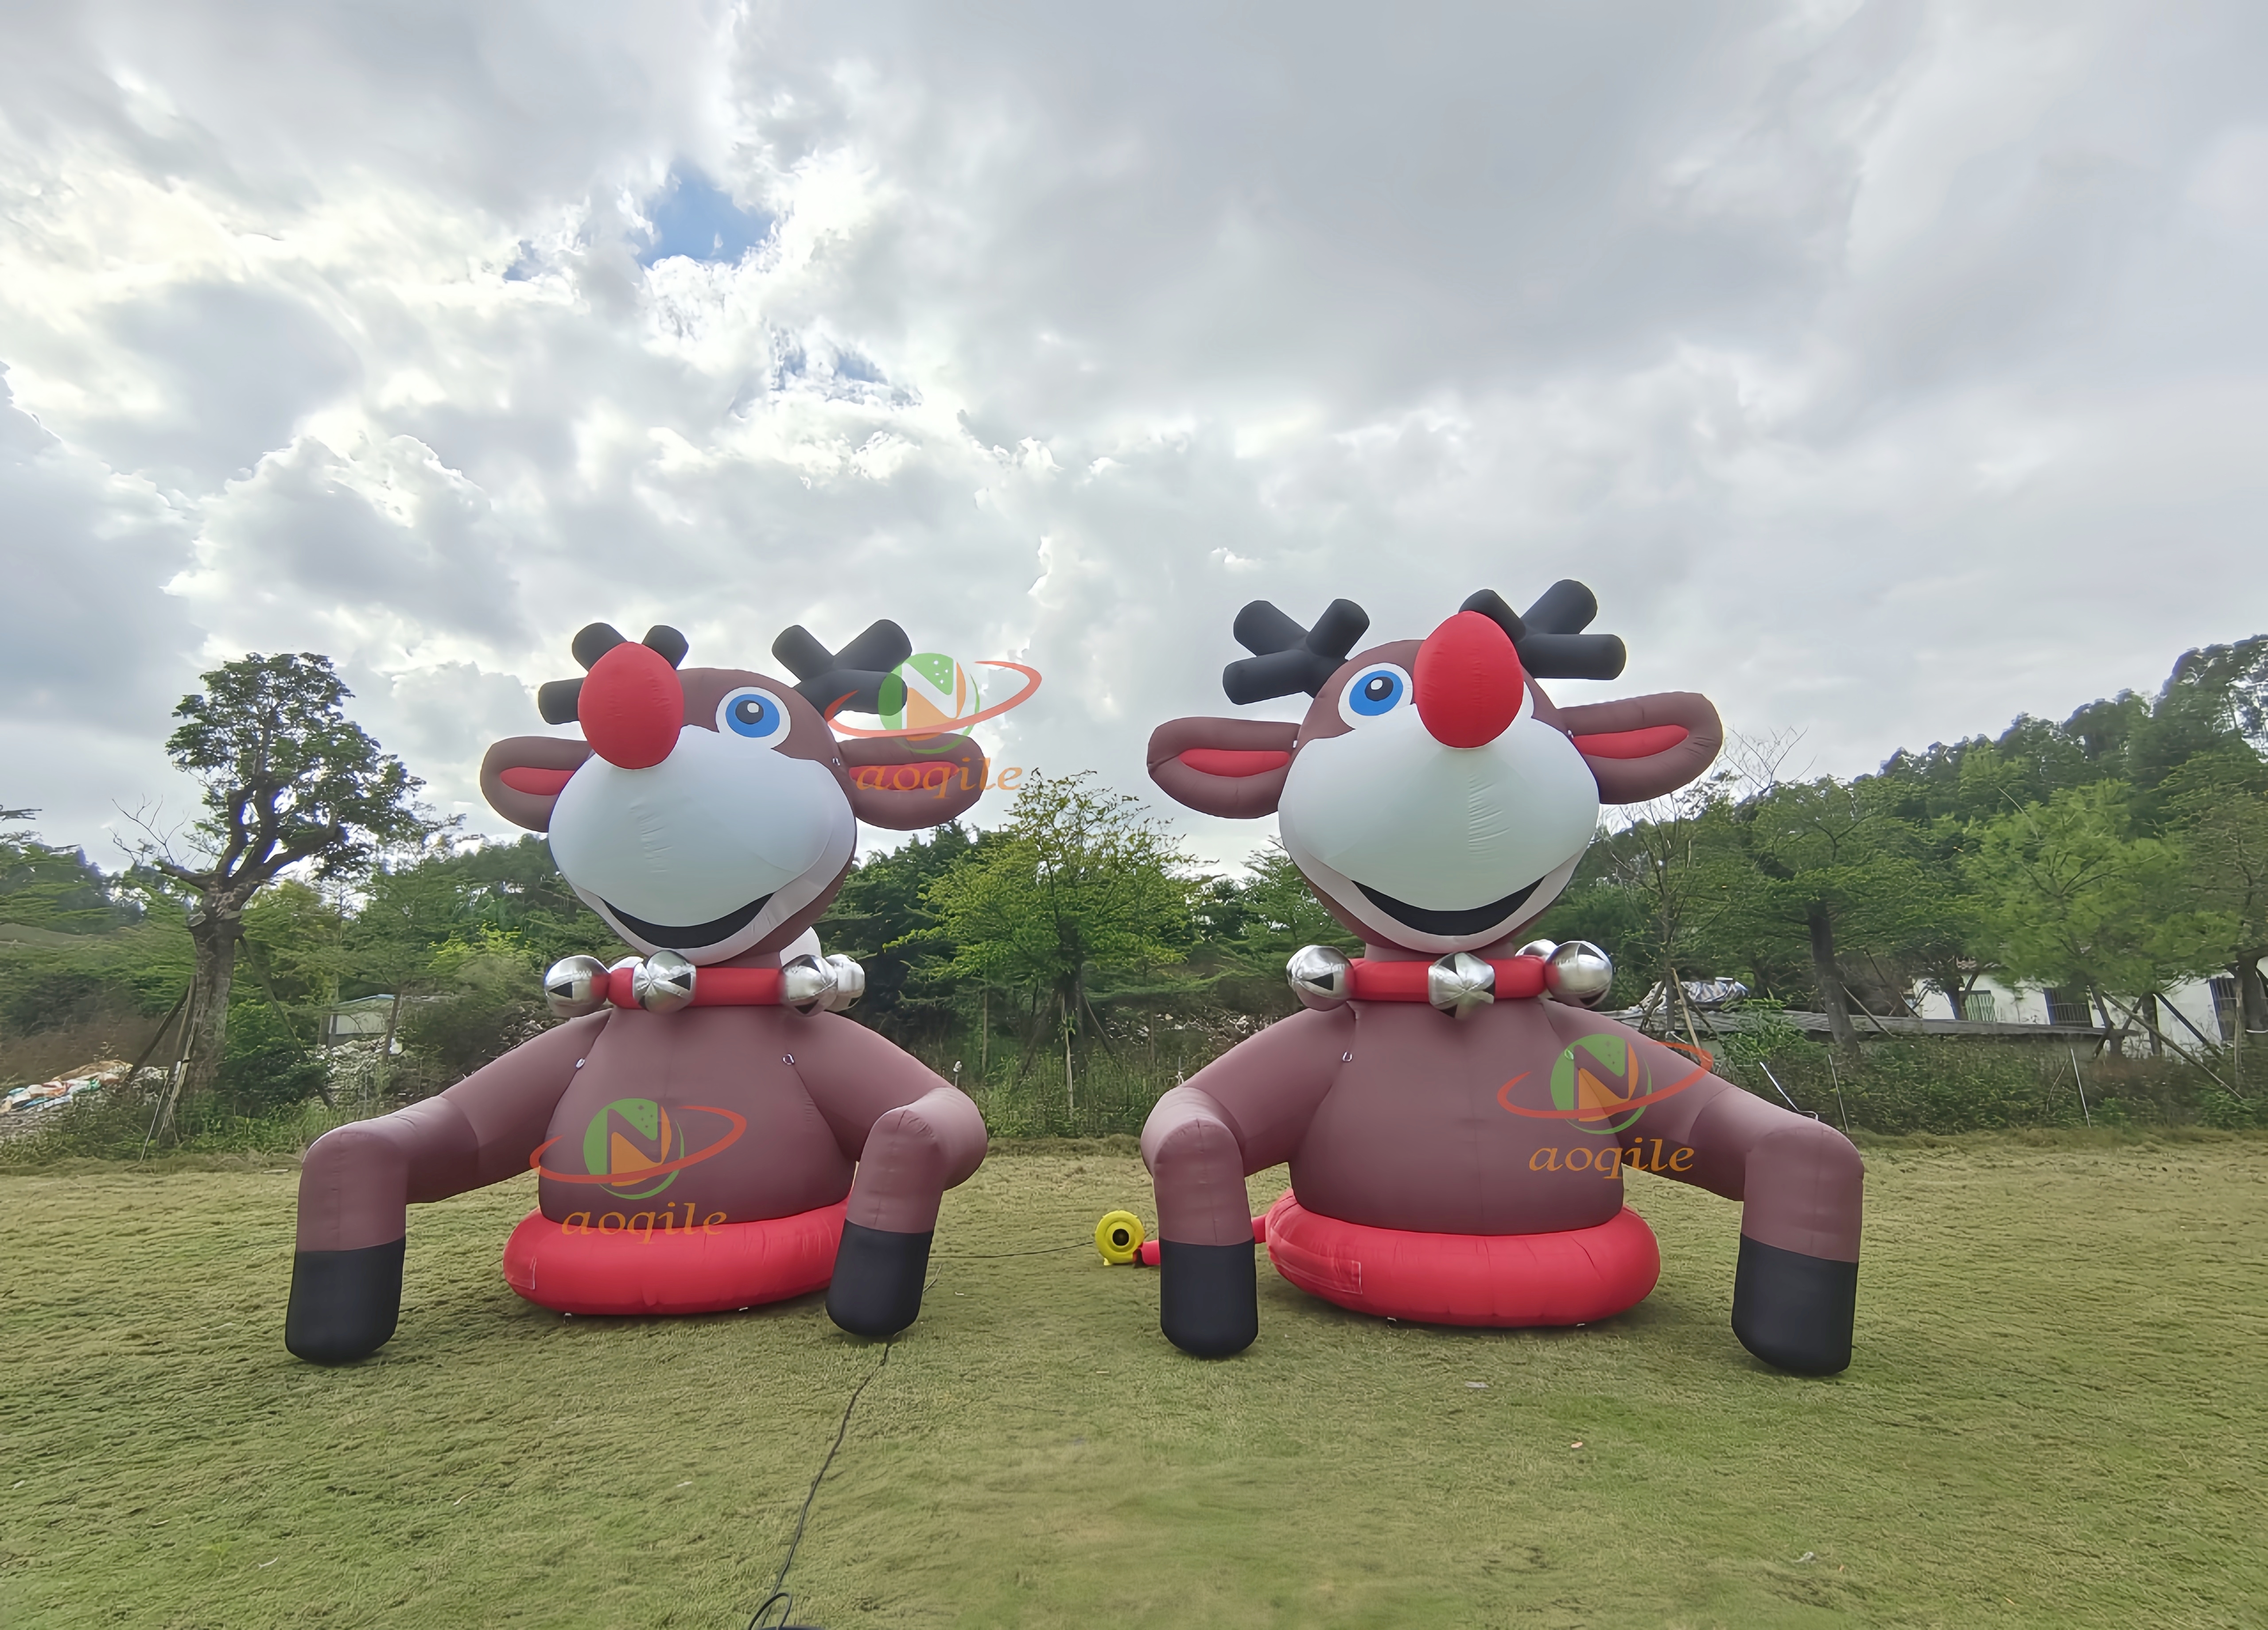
(693,217)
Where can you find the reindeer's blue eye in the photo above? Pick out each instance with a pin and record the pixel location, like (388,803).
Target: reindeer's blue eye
(1375,691)
(755,714)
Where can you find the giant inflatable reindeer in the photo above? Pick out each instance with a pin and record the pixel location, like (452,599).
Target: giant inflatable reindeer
(1457,1123)
(698,1126)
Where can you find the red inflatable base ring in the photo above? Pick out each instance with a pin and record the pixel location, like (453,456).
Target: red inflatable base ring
(711,1270)
(1504,1281)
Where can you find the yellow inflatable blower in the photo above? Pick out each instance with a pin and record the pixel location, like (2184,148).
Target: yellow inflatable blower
(1119,1236)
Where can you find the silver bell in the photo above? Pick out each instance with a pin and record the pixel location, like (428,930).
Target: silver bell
(1579,973)
(576,985)
(850,983)
(1321,976)
(1538,948)
(806,983)
(663,983)
(1460,983)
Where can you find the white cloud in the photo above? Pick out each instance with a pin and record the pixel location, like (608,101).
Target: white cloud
(1887,369)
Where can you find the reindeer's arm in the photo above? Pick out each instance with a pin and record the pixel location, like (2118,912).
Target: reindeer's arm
(357,1180)
(1801,1186)
(1246,1110)
(914,1136)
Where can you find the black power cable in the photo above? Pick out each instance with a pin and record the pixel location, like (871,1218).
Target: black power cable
(995,1256)
(782,1597)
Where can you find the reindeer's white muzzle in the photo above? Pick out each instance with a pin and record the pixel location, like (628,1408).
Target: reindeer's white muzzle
(1387,812)
(706,851)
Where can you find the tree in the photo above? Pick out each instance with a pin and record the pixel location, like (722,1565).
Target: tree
(1079,882)
(2214,706)
(1834,867)
(42,887)
(288,781)
(881,920)
(1668,867)
(2075,896)
(2219,807)
(1261,918)
(1658,891)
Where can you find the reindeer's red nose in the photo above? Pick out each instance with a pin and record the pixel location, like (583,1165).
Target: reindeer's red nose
(633,707)
(1468,680)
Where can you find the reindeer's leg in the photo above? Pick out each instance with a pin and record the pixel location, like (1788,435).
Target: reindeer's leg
(1246,1110)
(355,1185)
(1795,1290)
(1207,1298)
(1801,1186)
(912,1156)
(914,1136)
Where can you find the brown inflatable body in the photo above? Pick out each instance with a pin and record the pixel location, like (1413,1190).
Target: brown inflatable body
(691,1159)
(1436,801)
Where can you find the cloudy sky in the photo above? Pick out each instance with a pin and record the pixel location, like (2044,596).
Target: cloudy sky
(1887,369)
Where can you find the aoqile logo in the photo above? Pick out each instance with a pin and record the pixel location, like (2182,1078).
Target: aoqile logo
(635,1147)
(930,695)
(1602,1083)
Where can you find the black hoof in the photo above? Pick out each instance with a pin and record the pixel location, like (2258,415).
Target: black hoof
(344,1303)
(1208,1300)
(877,1288)
(1794,1311)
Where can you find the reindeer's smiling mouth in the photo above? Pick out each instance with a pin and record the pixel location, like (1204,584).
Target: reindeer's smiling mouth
(1448,924)
(670,937)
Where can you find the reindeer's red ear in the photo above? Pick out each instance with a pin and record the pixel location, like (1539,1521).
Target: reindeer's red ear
(1234,768)
(1644,746)
(904,783)
(522,777)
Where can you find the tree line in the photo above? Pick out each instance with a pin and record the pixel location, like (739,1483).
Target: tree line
(2115,853)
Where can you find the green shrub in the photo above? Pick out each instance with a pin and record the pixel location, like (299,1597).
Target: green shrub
(115,1125)
(490,1000)
(2217,1108)
(266,1068)
(1907,1086)
(36,998)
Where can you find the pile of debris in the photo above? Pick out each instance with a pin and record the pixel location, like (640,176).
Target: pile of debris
(72,1084)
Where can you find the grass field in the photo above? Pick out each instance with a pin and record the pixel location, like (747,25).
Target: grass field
(2056,1417)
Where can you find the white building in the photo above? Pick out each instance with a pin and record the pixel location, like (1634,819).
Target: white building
(2209,1005)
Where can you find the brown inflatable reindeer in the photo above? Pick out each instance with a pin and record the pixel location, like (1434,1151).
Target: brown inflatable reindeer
(1457,1124)
(697,1129)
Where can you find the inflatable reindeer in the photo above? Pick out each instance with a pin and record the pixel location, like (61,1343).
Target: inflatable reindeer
(697,1127)
(1457,1123)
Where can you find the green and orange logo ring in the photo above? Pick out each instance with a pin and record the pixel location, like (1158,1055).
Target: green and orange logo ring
(618,1162)
(1604,1079)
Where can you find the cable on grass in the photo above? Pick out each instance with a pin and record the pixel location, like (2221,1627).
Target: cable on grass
(784,1598)
(994,1256)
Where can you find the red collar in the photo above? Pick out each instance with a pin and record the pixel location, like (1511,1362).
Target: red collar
(1512,980)
(1459,983)
(666,981)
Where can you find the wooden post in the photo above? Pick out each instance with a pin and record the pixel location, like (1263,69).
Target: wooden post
(136,1069)
(1685,1007)
(161,1124)
(1072,1098)
(2236,1042)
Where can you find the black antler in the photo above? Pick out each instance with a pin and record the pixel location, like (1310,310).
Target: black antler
(851,677)
(559,700)
(1286,658)
(1551,639)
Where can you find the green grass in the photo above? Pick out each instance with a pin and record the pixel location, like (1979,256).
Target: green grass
(2056,1418)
